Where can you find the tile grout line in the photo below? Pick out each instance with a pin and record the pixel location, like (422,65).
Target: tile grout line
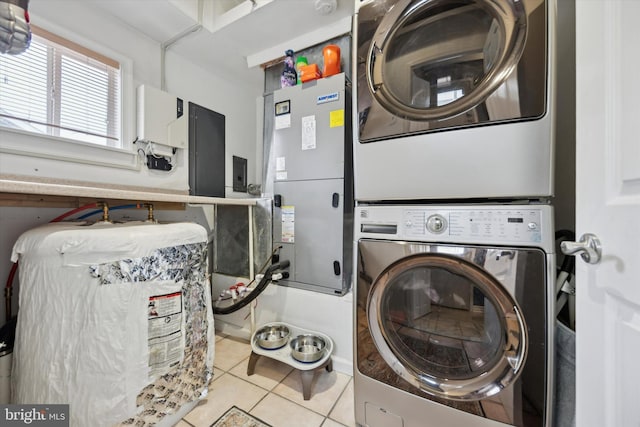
(270,391)
(213,366)
(338,399)
(258,402)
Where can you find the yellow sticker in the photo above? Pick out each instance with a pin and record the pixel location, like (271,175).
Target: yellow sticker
(336,118)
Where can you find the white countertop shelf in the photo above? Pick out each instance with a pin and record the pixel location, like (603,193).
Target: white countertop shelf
(16,185)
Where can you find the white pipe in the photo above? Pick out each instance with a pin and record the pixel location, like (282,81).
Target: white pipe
(251,259)
(560,281)
(252,306)
(168,43)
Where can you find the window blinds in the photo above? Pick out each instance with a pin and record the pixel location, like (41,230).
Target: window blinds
(59,88)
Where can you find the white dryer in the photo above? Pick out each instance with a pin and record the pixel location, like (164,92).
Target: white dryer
(455,99)
(454,315)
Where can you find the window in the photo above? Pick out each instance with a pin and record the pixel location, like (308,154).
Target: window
(59,88)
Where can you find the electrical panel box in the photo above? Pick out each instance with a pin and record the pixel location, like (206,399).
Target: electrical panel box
(206,152)
(162,118)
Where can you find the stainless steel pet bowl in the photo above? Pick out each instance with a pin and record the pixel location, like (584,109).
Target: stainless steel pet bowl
(307,348)
(272,336)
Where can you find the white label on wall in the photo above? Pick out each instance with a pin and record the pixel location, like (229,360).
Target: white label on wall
(281,176)
(280,164)
(288,224)
(309,133)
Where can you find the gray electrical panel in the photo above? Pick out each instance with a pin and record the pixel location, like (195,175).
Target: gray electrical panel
(206,152)
(311,166)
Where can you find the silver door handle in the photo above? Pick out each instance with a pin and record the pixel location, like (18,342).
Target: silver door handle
(373,87)
(588,247)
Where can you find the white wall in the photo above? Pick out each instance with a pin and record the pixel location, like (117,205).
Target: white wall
(328,314)
(141,56)
(88,26)
(236,100)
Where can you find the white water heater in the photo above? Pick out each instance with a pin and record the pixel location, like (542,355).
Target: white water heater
(114,320)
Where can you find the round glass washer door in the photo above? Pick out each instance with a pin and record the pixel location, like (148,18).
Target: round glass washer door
(435,59)
(447,326)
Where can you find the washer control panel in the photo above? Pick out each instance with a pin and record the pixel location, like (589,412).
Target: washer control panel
(509,224)
(436,224)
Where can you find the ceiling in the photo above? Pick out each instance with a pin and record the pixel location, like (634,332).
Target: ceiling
(233,36)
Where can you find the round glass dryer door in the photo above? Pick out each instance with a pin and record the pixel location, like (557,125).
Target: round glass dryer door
(435,59)
(447,326)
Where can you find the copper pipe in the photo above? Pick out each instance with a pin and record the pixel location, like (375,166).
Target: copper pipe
(150,217)
(105,211)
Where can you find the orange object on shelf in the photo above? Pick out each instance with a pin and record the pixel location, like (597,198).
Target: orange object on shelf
(309,72)
(331,60)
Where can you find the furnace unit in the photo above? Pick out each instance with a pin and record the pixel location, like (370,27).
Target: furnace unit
(310,168)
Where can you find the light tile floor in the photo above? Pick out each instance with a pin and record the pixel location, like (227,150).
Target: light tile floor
(273,393)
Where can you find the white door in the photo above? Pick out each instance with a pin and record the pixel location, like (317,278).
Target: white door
(608,205)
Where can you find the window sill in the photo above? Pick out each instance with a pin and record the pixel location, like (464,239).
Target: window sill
(23,143)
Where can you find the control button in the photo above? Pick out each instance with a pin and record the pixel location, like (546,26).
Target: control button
(436,224)
(532,226)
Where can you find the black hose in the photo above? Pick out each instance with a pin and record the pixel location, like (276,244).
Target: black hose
(264,282)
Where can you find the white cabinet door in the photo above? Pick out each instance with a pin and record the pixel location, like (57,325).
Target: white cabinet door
(608,205)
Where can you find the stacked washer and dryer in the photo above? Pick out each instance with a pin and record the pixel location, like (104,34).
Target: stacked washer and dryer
(454,229)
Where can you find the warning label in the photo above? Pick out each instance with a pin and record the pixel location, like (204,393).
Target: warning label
(165,331)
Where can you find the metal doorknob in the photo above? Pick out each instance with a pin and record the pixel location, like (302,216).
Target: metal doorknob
(588,247)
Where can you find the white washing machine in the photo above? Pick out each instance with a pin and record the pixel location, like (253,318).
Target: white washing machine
(453,96)
(454,315)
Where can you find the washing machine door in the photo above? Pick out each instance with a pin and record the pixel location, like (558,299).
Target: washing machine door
(447,326)
(435,59)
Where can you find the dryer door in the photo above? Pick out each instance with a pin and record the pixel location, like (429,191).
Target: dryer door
(438,64)
(435,59)
(447,326)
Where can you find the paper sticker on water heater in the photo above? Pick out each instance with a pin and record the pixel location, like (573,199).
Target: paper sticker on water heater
(288,224)
(166,345)
(309,133)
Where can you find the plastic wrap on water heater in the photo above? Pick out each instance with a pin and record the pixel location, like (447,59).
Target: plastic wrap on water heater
(114,320)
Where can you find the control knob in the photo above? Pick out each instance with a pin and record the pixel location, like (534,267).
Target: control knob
(436,224)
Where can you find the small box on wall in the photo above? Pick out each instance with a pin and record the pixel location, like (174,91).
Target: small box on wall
(239,174)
